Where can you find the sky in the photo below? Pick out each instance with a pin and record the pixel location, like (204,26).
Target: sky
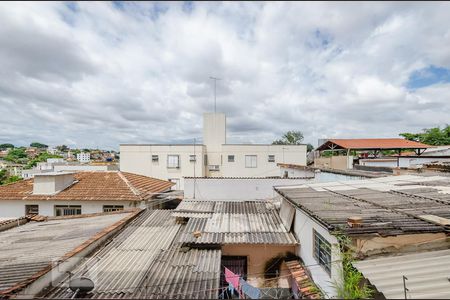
(100,74)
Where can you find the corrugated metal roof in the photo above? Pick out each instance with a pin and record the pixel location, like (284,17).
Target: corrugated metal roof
(251,222)
(428,275)
(367,144)
(30,248)
(144,261)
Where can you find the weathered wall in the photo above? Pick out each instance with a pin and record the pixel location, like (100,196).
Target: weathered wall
(334,162)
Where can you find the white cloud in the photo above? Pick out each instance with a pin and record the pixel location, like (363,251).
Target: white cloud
(96,74)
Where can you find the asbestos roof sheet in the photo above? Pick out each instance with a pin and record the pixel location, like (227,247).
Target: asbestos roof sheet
(30,248)
(388,206)
(95,186)
(367,144)
(427,275)
(239,223)
(145,261)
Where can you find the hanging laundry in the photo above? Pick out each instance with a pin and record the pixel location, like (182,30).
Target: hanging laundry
(250,291)
(232,278)
(295,289)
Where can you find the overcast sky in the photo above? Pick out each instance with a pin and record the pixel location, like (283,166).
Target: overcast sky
(101,74)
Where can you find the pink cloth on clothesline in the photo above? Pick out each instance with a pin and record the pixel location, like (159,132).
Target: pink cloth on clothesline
(232,278)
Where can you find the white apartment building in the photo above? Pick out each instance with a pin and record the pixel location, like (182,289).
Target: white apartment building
(213,158)
(84,157)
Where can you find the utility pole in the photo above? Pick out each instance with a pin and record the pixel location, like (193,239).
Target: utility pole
(195,162)
(215,91)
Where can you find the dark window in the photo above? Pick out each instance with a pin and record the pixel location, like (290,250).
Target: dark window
(206,159)
(67,210)
(192,157)
(236,264)
(271,158)
(322,251)
(32,209)
(109,208)
(230,158)
(155,158)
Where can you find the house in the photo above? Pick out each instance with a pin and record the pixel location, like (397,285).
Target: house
(66,193)
(11,168)
(371,218)
(213,158)
(346,147)
(34,254)
(84,157)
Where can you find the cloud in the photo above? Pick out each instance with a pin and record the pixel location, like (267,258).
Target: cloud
(100,74)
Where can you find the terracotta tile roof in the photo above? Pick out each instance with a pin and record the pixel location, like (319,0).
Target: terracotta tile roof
(307,288)
(367,144)
(97,185)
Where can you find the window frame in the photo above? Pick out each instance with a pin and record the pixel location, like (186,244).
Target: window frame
(155,158)
(111,208)
(320,251)
(76,208)
(168,161)
(269,158)
(231,158)
(193,158)
(251,166)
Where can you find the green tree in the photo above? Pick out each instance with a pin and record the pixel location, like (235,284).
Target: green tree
(16,154)
(431,136)
(38,145)
(40,158)
(3,176)
(6,146)
(12,179)
(309,147)
(63,148)
(290,138)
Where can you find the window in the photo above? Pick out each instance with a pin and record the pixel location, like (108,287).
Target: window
(230,158)
(31,209)
(67,210)
(250,161)
(271,158)
(173,161)
(206,159)
(322,251)
(192,158)
(110,208)
(155,158)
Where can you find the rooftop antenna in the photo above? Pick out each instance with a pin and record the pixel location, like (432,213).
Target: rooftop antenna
(215,91)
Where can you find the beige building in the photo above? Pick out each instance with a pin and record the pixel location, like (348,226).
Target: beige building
(213,158)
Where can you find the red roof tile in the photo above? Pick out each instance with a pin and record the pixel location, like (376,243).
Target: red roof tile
(93,186)
(367,144)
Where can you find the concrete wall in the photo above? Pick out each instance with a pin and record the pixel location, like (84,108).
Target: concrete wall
(214,135)
(16,208)
(334,162)
(303,229)
(235,188)
(138,159)
(295,172)
(59,168)
(390,163)
(257,256)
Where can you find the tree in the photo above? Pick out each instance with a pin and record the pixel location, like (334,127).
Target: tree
(6,146)
(16,155)
(290,138)
(38,145)
(3,176)
(40,158)
(62,148)
(431,136)
(309,147)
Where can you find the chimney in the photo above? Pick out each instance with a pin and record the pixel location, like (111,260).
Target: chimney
(354,222)
(52,182)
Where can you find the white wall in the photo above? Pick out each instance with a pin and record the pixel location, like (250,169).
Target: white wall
(16,208)
(303,229)
(406,162)
(235,188)
(390,163)
(59,168)
(138,159)
(296,172)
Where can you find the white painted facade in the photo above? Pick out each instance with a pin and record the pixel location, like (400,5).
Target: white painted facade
(234,189)
(290,172)
(215,158)
(84,157)
(304,227)
(404,161)
(16,208)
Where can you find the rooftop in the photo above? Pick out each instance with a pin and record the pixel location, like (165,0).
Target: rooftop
(371,144)
(93,186)
(27,251)
(388,205)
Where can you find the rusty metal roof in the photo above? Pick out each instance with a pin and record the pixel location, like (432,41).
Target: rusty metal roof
(95,185)
(371,144)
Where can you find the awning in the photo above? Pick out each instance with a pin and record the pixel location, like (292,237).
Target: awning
(427,275)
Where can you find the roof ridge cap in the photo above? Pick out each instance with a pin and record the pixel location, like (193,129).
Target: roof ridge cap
(128,183)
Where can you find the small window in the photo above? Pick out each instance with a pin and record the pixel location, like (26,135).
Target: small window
(230,158)
(250,161)
(271,158)
(67,210)
(192,158)
(322,251)
(155,158)
(31,209)
(206,159)
(110,208)
(173,161)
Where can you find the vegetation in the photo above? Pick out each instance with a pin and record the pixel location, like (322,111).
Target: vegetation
(353,285)
(40,158)
(17,155)
(6,146)
(309,147)
(4,178)
(62,148)
(38,145)
(290,138)
(431,136)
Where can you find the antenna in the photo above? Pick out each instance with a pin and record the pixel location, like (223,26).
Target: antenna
(195,165)
(215,91)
